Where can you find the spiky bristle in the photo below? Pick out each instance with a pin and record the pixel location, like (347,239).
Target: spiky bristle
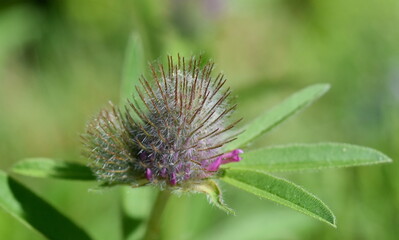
(174,138)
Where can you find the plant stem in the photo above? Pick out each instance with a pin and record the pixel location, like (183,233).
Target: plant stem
(154,223)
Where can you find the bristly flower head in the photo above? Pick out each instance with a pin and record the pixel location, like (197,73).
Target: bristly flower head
(172,135)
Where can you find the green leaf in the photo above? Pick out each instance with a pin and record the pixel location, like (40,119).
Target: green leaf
(280,191)
(136,207)
(278,114)
(48,168)
(212,190)
(309,156)
(35,213)
(133,67)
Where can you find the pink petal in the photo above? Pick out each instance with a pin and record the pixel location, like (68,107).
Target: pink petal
(214,166)
(173,179)
(148,174)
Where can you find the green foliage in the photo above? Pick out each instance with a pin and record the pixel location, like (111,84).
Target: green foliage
(49,168)
(27,18)
(296,157)
(56,73)
(136,206)
(133,68)
(212,190)
(244,174)
(265,122)
(35,213)
(280,191)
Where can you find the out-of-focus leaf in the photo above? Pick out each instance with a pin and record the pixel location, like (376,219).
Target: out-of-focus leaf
(48,168)
(133,68)
(28,20)
(137,202)
(136,207)
(35,213)
(129,224)
(212,190)
(270,222)
(278,114)
(309,156)
(280,191)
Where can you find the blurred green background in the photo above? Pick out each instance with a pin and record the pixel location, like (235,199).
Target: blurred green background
(61,61)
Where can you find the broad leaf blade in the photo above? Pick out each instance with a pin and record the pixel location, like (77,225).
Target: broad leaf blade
(35,213)
(280,191)
(278,114)
(48,168)
(212,190)
(296,157)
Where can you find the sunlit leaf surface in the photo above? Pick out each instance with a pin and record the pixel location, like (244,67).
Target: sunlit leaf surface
(309,156)
(280,191)
(49,168)
(278,114)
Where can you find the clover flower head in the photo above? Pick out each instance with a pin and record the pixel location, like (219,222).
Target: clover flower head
(171,135)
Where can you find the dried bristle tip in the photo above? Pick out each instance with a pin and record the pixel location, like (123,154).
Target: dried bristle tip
(174,137)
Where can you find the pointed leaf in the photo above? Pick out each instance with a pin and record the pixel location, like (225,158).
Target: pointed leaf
(278,114)
(280,191)
(35,213)
(309,156)
(48,168)
(212,190)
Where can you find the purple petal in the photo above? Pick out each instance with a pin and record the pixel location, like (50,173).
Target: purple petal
(148,174)
(179,166)
(214,166)
(238,151)
(232,156)
(163,172)
(173,179)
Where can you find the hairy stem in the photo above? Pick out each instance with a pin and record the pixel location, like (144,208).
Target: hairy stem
(154,223)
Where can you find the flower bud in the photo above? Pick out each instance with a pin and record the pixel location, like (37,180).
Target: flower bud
(174,138)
